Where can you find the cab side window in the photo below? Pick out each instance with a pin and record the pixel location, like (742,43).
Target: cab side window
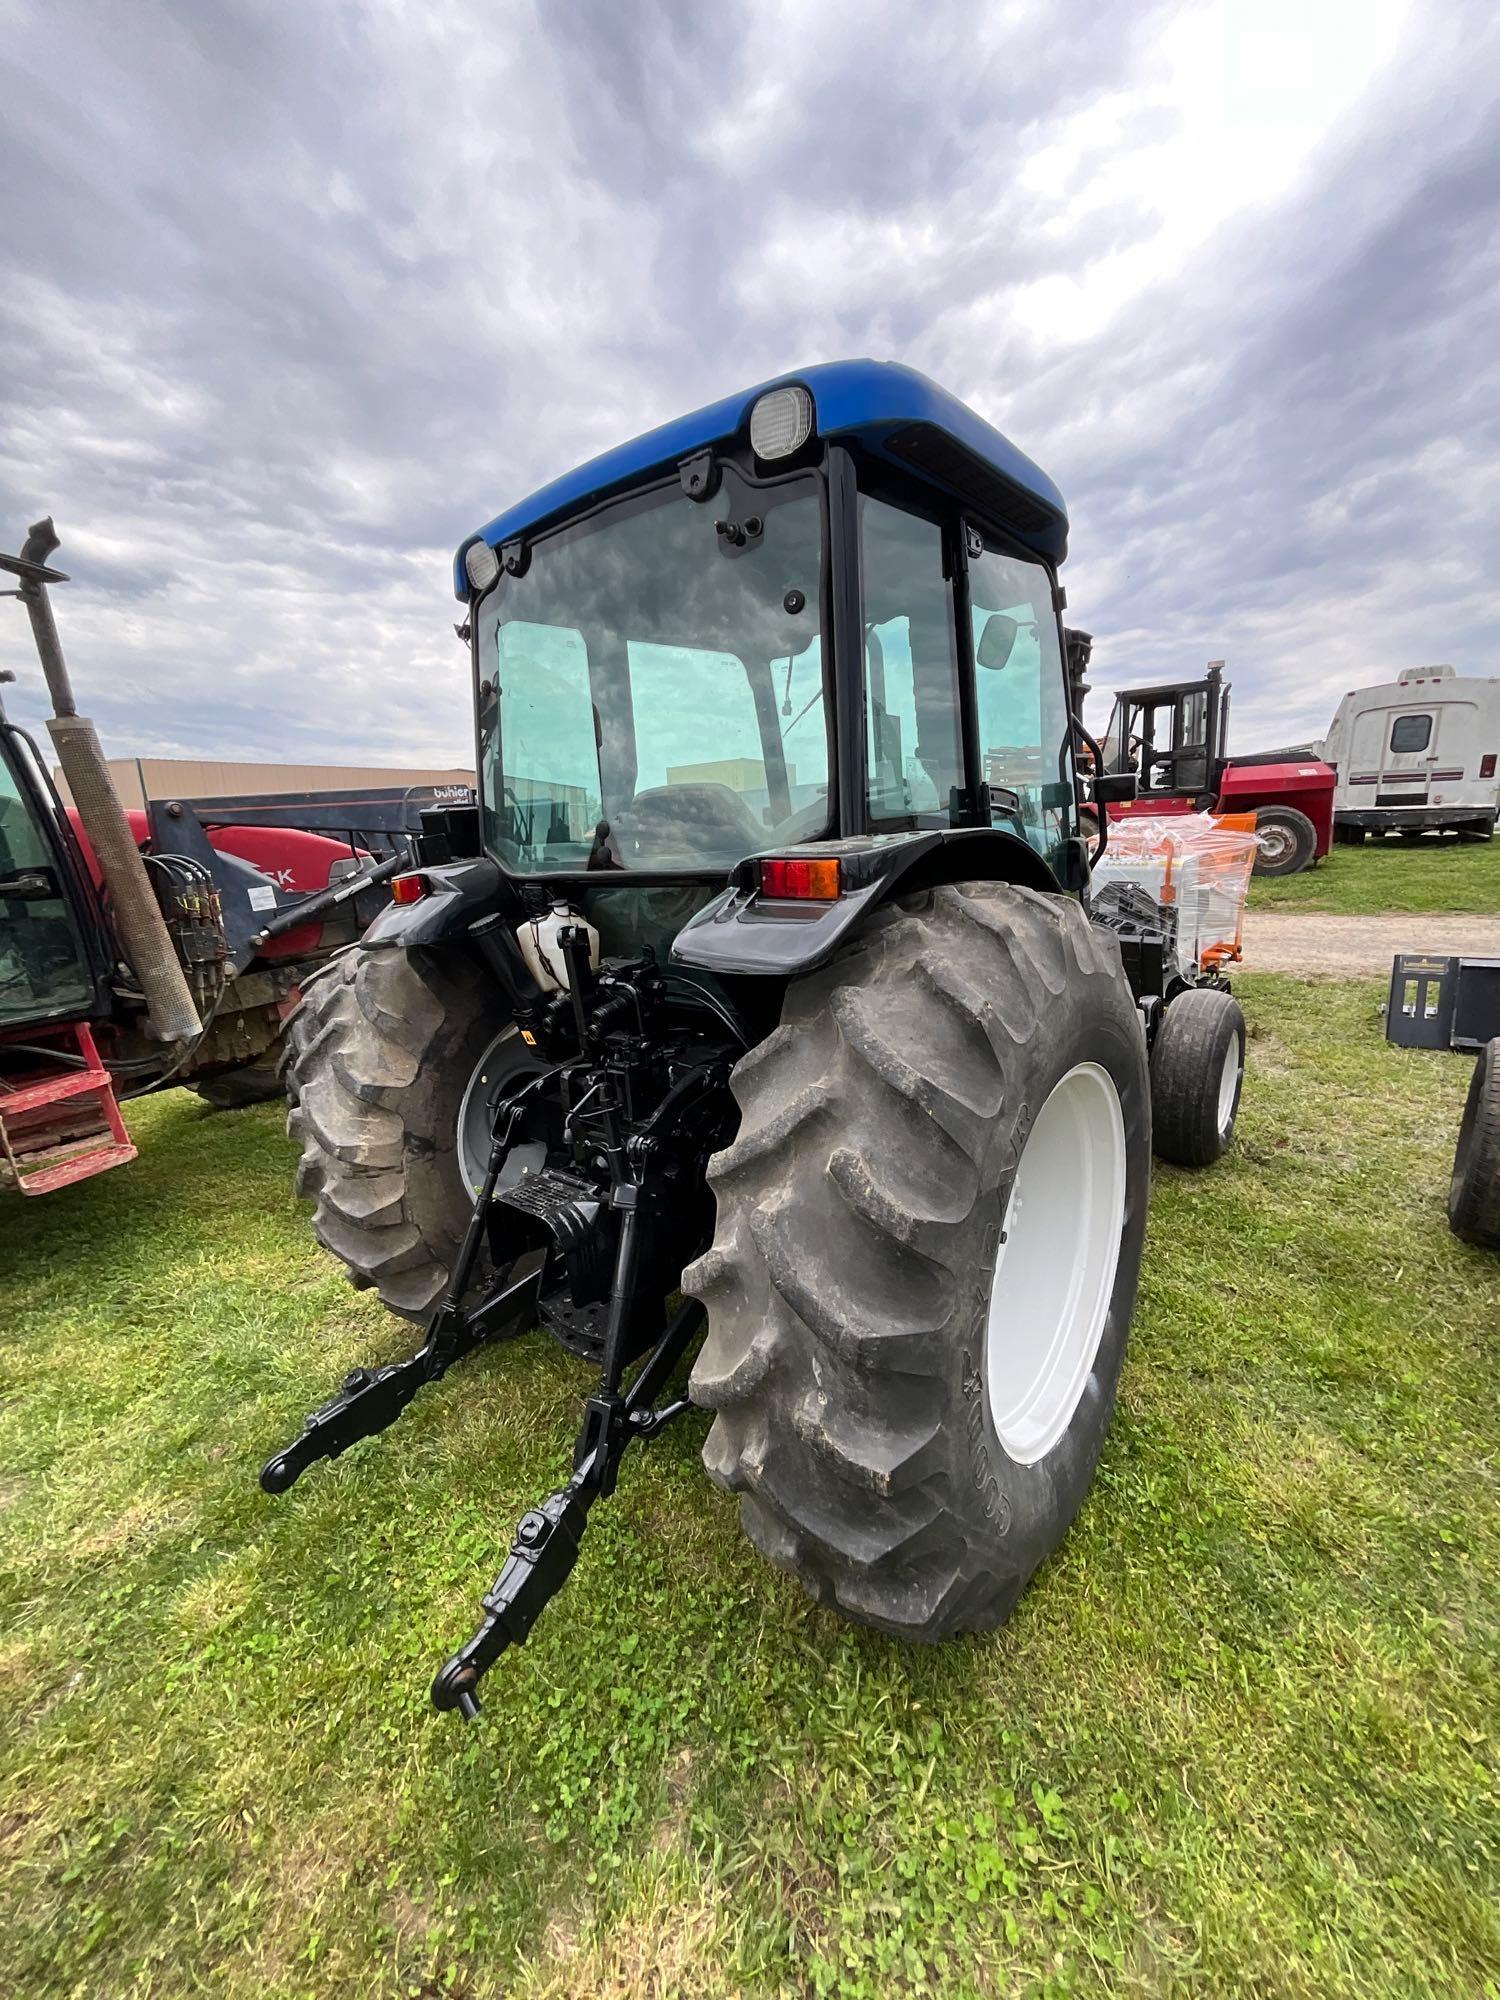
(1025,742)
(911,666)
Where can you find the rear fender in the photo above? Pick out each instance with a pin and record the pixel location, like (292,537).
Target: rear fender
(458,894)
(740,932)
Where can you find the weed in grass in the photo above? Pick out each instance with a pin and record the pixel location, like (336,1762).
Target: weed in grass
(1238,1740)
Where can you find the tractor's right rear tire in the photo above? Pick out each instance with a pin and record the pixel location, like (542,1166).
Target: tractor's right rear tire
(1287,841)
(1197,1073)
(925,1261)
(1474,1193)
(381,1053)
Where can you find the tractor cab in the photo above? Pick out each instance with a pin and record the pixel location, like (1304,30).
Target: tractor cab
(825,608)
(1172,738)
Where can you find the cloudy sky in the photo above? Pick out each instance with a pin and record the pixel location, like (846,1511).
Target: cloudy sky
(292,298)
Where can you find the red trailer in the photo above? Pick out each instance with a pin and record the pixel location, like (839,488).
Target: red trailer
(1174,739)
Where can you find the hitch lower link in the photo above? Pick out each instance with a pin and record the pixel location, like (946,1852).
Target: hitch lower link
(547,1539)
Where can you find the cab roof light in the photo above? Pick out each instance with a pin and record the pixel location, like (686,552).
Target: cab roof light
(781,422)
(409,888)
(482,564)
(789,881)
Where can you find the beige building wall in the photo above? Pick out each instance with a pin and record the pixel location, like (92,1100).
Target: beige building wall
(741,774)
(139,779)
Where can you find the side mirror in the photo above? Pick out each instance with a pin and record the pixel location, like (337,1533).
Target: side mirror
(1114,788)
(996,641)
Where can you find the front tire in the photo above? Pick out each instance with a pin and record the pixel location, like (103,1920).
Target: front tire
(925,1263)
(1197,1073)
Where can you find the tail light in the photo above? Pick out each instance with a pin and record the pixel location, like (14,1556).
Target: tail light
(408,888)
(1487,766)
(802,881)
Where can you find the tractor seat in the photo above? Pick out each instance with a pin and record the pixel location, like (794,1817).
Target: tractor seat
(682,826)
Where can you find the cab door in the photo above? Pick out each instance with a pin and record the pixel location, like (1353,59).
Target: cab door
(1021,699)
(45,973)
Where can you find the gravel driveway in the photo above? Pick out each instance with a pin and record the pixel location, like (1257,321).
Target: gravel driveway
(1317,941)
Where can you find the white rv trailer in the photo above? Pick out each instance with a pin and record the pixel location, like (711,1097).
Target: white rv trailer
(1416,755)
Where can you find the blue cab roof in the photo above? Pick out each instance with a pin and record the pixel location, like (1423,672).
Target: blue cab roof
(870,401)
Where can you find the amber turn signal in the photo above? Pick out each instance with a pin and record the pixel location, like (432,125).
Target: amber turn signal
(408,888)
(802,881)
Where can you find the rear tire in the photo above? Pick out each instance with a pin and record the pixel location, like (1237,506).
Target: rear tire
(1288,840)
(1474,1192)
(1197,1074)
(380,1055)
(906,1431)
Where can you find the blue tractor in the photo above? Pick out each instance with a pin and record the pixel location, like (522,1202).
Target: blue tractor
(756,1015)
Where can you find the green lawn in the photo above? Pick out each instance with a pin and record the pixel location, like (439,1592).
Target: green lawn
(1435,875)
(1240,1739)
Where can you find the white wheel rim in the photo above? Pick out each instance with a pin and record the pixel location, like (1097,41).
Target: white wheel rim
(1274,842)
(1229,1084)
(1055,1271)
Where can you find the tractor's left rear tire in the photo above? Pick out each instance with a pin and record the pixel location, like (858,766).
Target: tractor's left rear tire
(1197,1073)
(925,1261)
(383,1052)
(1474,1193)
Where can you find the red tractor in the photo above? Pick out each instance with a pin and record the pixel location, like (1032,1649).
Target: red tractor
(167,946)
(1173,740)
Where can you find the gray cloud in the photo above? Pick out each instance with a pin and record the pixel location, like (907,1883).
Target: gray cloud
(290,301)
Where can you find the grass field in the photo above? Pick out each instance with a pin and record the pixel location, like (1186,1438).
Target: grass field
(1462,878)
(1240,1739)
